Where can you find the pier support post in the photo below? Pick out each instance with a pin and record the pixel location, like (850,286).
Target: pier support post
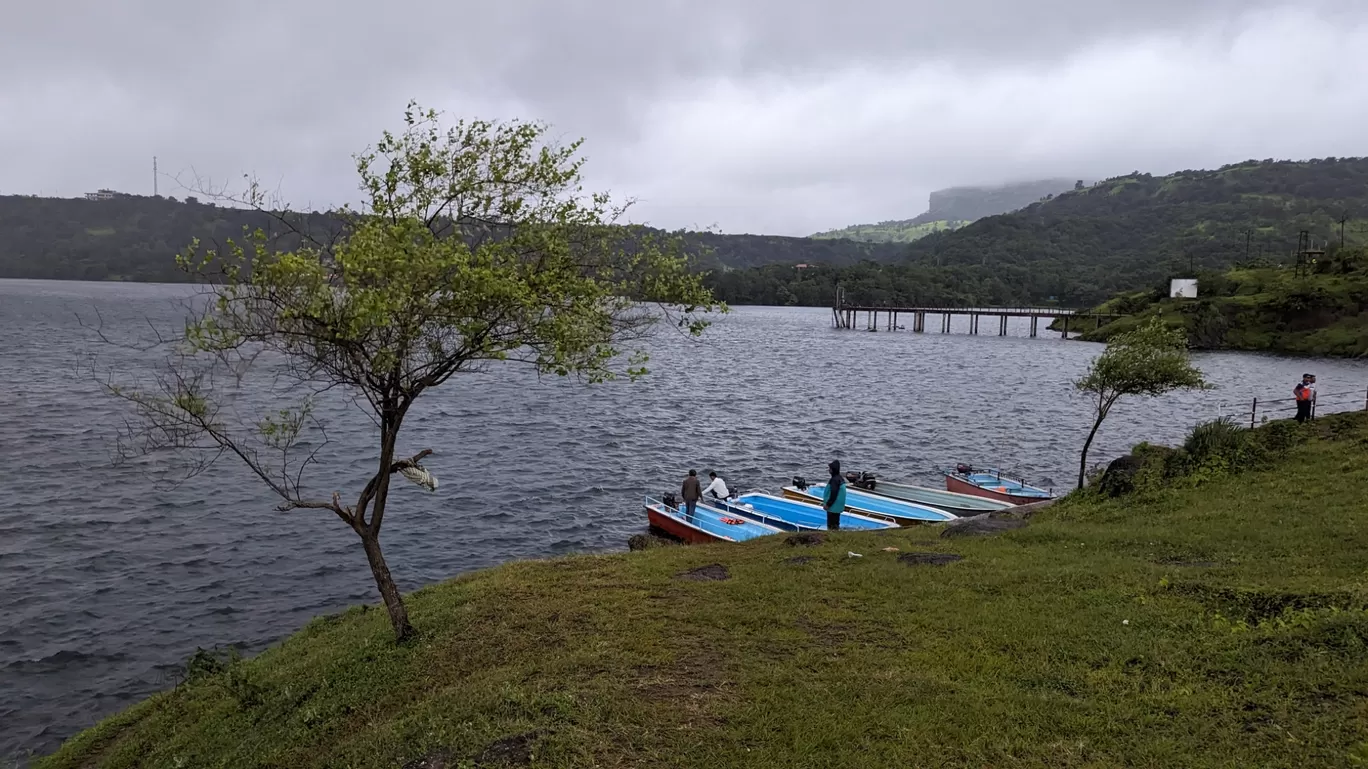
(1065,333)
(973,323)
(1035,321)
(1003,330)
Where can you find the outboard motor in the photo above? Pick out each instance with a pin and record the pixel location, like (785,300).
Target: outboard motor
(800,483)
(860,480)
(669,500)
(963,469)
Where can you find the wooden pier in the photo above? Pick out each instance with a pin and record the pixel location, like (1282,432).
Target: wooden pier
(849,317)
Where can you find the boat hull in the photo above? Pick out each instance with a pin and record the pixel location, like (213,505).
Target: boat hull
(707,524)
(954,503)
(960,486)
(901,512)
(788,513)
(680,530)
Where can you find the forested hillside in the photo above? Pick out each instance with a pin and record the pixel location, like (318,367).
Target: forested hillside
(136,238)
(953,208)
(1122,234)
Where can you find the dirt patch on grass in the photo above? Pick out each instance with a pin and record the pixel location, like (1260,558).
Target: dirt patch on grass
(805,539)
(799,560)
(713,572)
(929,559)
(509,751)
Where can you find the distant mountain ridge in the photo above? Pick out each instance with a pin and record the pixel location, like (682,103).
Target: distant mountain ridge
(136,238)
(953,208)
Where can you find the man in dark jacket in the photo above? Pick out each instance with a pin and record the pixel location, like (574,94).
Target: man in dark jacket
(691,493)
(833,502)
(1305,393)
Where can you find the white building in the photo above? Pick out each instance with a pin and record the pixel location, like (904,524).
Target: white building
(101,195)
(1183,288)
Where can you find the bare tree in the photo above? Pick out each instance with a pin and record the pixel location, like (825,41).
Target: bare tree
(476,245)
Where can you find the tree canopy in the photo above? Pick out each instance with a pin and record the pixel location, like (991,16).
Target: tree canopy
(398,299)
(1149,361)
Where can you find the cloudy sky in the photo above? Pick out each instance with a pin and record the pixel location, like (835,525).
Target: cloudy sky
(773,116)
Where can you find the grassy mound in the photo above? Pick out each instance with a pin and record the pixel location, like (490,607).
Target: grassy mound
(1221,625)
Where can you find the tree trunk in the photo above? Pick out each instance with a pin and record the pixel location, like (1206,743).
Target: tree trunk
(1083,460)
(394,602)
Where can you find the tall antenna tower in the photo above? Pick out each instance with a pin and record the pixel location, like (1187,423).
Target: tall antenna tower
(154,176)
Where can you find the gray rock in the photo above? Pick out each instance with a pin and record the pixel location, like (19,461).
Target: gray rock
(1119,477)
(981,526)
(648,542)
(713,572)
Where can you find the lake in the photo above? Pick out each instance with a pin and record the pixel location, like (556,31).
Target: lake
(109,581)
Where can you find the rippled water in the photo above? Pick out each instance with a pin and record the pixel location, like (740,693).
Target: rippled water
(107,582)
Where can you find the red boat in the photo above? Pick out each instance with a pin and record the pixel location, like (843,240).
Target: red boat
(707,524)
(992,484)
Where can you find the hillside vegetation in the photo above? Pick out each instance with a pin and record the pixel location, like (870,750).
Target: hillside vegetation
(1263,308)
(953,208)
(1125,234)
(1215,621)
(904,231)
(137,238)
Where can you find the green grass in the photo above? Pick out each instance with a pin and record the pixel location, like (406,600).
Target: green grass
(1222,625)
(890,232)
(1268,309)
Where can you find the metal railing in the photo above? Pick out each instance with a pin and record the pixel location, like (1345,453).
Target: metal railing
(1263,410)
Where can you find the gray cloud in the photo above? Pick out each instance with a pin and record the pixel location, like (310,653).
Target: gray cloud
(752,115)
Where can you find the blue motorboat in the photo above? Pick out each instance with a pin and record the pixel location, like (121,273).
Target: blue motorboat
(790,515)
(705,524)
(901,512)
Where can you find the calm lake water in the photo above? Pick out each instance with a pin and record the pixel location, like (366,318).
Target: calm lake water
(109,581)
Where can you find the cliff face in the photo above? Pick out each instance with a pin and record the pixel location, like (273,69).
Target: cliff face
(970,203)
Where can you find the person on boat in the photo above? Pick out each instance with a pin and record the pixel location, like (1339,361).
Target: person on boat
(833,502)
(691,493)
(718,487)
(1305,392)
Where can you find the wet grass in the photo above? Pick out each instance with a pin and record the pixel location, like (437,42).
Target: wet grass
(1218,626)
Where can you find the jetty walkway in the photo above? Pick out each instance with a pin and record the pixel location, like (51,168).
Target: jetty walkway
(871,318)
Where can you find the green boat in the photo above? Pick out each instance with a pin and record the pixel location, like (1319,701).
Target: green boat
(963,505)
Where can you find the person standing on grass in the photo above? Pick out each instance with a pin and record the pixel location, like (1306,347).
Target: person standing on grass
(1305,393)
(833,502)
(691,493)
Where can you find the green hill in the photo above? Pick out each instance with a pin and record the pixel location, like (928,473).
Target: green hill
(1210,621)
(1129,232)
(1123,234)
(136,238)
(953,208)
(1264,308)
(904,231)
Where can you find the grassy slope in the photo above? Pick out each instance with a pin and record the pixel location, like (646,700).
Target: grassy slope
(904,231)
(1260,309)
(1221,626)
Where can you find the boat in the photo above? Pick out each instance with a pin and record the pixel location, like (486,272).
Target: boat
(963,505)
(901,512)
(991,483)
(791,515)
(707,524)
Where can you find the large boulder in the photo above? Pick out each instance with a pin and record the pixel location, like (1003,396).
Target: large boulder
(1119,477)
(981,526)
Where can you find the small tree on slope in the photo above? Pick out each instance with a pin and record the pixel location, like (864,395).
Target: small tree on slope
(1148,361)
(475,245)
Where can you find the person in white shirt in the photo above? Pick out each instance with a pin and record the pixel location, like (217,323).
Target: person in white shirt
(718,489)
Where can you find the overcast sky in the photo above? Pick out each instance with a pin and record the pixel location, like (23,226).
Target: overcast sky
(773,116)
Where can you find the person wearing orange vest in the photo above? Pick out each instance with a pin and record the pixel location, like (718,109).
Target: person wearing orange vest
(1305,393)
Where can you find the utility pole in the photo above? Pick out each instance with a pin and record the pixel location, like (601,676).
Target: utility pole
(154,176)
